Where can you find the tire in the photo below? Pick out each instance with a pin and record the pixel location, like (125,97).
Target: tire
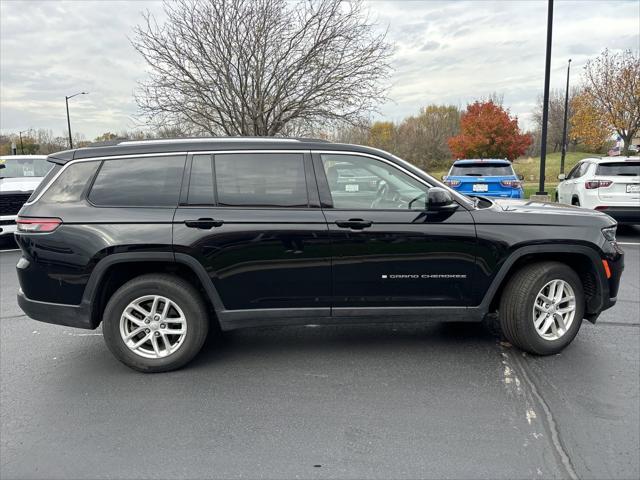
(516,312)
(187,313)
(575,201)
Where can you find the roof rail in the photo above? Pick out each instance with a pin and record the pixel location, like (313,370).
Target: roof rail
(218,139)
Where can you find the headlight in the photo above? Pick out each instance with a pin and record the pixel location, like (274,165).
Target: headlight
(609,233)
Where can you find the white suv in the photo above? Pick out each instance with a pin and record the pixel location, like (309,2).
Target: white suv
(608,184)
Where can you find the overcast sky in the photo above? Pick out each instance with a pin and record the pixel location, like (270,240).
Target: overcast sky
(446,52)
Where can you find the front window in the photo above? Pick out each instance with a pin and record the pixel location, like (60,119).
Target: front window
(25,167)
(363,183)
(484,169)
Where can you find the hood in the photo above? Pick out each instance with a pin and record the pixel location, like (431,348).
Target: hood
(542,213)
(19,184)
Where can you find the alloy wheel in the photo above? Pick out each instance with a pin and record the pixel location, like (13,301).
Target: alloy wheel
(153,326)
(554,309)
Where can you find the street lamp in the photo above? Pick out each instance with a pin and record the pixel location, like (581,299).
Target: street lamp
(545,101)
(564,128)
(21,145)
(66,101)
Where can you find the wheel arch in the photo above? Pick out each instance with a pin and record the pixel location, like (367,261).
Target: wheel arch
(114,270)
(585,261)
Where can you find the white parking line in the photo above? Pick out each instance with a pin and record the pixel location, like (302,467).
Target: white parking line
(628,243)
(10,250)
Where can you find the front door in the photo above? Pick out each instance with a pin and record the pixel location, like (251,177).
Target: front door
(387,249)
(256,227)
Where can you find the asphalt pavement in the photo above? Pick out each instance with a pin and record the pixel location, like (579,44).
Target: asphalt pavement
(400,401)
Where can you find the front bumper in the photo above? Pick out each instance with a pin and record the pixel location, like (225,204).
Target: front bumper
(77,316)
(7,225)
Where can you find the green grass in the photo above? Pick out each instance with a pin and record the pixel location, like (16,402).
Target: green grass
(530,168)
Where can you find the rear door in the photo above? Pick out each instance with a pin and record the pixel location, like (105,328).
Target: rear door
(253,220)
(387,251)
(567,188)
(625,182)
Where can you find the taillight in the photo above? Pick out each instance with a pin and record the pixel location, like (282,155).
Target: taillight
(511,183)
(453,183)
(591,184)
(37,225)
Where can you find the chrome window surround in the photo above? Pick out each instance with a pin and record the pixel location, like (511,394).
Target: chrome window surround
(216,152)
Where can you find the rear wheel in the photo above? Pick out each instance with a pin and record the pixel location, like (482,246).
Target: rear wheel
(542,307)
(155,323)
(575,201)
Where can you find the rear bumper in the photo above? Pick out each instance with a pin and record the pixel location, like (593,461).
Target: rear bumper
(512,194)
(623,214)
(57,313)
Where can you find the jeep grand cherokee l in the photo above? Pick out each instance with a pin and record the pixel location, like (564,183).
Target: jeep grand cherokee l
(158,239)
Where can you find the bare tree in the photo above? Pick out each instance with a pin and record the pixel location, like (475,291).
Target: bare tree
(556,117)
(260,67)
(612,83)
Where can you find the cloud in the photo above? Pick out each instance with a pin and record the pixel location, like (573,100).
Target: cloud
(446,52)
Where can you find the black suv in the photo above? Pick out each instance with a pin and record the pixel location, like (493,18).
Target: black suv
(158,239)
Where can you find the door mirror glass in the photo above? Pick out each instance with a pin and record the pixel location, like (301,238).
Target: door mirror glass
(438,199)
(520,177)
(561,177)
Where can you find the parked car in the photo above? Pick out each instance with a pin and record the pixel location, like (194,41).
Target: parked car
(487,177)
(157,240)
(19,177)
(607,184)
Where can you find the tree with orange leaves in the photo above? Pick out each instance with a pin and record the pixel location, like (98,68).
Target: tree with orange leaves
(488,131)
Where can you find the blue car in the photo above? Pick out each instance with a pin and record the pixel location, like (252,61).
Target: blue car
(486,177)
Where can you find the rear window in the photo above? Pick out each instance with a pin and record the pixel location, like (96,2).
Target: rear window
(71,183)
(261,180)
(138,182)
(631,169)
(482,170)
(45,181)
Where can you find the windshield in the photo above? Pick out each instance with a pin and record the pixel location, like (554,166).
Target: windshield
(631,169)
(485,169)
(25,167)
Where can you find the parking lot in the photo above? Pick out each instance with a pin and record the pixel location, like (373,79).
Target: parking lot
(395,401)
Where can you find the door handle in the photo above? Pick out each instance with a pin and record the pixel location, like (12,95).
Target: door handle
(203,223)
(354,223)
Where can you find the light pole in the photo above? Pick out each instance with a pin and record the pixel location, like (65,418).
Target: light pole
(66,101)
(545,105)
(21,145)
(566,112)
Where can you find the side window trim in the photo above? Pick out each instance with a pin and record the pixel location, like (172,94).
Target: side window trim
(85,193)
(186,181)
(326,200)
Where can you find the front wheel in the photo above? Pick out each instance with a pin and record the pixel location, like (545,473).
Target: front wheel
(542,307)
(155,323)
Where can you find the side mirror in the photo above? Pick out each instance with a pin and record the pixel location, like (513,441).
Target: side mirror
(439,200)
(562,176)
(520,177)
(444,177)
